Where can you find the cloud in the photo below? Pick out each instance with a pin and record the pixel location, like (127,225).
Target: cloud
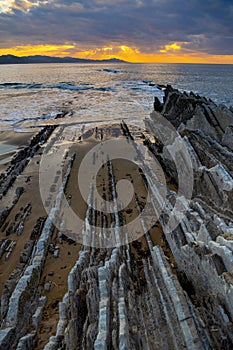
(171,47)
(8,6)
(27,50)
(149,26)
(5,5)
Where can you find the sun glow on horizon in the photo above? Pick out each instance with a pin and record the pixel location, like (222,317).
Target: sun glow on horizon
(30,50)
(170,53)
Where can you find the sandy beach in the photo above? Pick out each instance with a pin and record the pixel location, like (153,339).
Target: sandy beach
(56,270)
(83,252)
(10,143)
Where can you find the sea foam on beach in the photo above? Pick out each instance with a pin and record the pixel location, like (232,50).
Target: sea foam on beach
(34,94)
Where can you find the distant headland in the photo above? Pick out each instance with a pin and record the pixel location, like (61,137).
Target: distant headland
(11,59)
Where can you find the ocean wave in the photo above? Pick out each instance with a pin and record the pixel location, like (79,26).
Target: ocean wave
(20,120)
(63,86)
(107,70)
(69,86)
(149,81)
(132,85)
(114,71)
(10,84)
(140,86)
(105,89)
(60,86)
(20,86)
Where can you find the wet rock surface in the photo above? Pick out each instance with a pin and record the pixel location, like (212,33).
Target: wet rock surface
(168,289)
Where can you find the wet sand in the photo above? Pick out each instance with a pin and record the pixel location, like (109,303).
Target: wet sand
(56,270)
(10,143)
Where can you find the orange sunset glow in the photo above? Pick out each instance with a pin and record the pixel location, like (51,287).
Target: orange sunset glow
(170,53)
(142,31)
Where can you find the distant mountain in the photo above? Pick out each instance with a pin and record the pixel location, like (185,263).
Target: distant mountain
(11,59)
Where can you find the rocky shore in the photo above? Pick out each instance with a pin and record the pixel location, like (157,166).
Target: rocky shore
(172,286)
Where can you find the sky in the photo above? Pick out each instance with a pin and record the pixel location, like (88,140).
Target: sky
(192,31)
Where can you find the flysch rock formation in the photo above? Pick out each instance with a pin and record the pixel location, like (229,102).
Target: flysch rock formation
(202,243)
(169,288)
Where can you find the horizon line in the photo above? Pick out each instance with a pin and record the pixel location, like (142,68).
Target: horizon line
(104,59)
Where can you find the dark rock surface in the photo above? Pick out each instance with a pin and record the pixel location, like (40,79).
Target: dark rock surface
(194,112)
(204,256)
(21,159)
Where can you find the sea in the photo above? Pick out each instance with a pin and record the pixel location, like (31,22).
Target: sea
(32,95)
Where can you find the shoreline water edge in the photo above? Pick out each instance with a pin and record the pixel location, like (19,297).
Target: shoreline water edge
(118,236)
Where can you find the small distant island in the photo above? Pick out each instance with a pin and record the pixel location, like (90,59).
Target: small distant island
(11,59)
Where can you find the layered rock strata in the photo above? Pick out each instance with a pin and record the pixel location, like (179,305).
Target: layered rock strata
(171,287)
(201,243)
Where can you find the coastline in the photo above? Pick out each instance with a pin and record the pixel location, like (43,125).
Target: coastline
(10,143)
(78,287)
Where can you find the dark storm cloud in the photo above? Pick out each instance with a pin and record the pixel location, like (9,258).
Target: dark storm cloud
(205,26)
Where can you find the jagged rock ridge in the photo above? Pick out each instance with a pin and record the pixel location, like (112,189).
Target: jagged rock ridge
(168,290)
